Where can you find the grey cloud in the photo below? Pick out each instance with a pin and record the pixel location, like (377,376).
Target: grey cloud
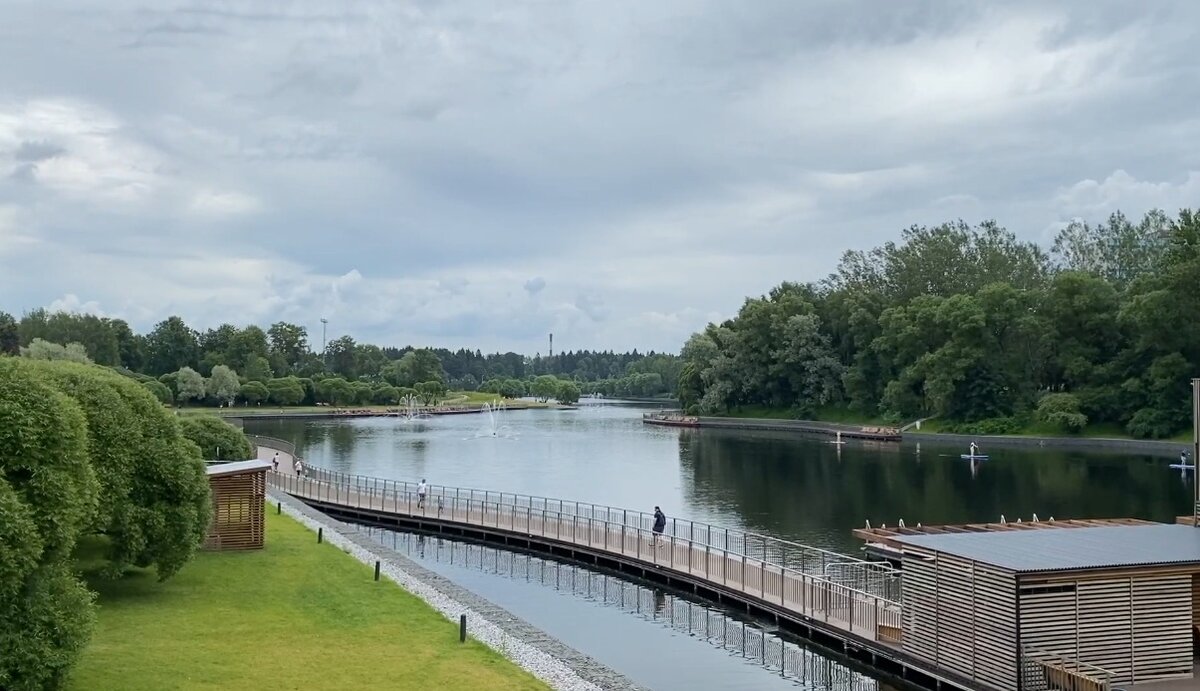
(34,151)
(427,142)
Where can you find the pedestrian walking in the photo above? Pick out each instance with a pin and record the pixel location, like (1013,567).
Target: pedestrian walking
(660,524)
(275,462)
(422,489)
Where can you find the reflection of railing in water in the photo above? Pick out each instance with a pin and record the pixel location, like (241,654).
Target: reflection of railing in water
(787,658)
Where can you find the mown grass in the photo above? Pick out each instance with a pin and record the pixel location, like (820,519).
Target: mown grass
(295,615)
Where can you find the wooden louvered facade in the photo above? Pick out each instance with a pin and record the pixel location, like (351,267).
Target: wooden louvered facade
(960,615)
(238,493)
(1113,626)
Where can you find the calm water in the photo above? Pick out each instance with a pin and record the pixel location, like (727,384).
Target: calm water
(782,485)
(786,486)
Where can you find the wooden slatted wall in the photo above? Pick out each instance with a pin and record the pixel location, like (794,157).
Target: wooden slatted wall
(961,615)
(1162,627)
(237,511)
(1196,601)
(1135,626)
(919,604)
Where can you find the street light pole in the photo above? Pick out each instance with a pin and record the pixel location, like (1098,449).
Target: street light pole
(324,345)
(1196,449)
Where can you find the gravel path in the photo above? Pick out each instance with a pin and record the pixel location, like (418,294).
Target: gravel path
(547,658)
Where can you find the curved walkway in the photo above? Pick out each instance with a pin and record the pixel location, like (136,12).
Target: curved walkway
(857,614)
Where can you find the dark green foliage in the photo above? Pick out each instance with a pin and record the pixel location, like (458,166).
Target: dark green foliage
(253,392)
(217,439)
(160,391)
(286,391)
(48,496)
(568,393)
(1062,411)
(150,505)
(976,327)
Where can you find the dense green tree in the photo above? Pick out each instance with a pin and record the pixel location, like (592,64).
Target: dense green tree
(431,391)
(10,337)
(189,385)
(567,393)
(258,369)
(160,391)
(254,392)
(544,387)
(223,385)
(414,367)
(335,391)
(288,345)
(170,346)
(286,391)
(45,350)
(340,357)
(218,440)
(48,497)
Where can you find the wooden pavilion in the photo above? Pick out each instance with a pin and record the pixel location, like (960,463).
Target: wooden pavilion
(238,491)
(1080,608)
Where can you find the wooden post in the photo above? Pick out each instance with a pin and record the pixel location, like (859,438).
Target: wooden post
(320,535)
(1196,449)
(376,570)
(462,628)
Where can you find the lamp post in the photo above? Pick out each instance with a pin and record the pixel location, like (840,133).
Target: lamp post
(1196,450)
(324,345)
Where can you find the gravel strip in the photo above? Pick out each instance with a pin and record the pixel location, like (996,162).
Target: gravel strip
(548,659)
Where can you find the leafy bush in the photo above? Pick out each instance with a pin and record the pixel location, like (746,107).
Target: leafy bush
(217,439)
(568,393)
(160,391)
(1062,411)
(48,496)
(990,426)
(1152,423)
(253,392)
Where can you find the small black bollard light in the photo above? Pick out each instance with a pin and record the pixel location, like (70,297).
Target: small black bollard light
(462,628)
(377,570)
(320,535)
(278,507)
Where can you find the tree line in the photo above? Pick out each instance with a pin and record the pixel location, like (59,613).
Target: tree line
(229,364)
(970,324)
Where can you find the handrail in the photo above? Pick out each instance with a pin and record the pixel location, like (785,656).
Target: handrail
(772,550)
(811,595)
(1043,670)
(874,576)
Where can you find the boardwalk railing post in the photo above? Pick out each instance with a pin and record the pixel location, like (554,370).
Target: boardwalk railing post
(377,570)
(462,628)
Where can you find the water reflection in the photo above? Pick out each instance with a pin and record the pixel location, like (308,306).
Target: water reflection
(778,659)
(786,486)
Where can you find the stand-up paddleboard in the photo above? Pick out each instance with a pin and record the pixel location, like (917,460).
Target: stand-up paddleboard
(838,441)
(1182,466)
(973,457)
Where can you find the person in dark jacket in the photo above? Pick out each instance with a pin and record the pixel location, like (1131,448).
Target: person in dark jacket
(660,523)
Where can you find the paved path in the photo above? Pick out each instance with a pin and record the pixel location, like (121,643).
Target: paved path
(861,614)
(286,460)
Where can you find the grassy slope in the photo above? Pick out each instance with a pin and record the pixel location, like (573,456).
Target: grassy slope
(295,615)
(824,414)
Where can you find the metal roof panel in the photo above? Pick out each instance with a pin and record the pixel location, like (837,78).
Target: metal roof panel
(1068,550)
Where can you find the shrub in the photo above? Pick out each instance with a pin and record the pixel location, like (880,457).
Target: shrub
(1062,411)
(160,391)
(217,439)
(990,426)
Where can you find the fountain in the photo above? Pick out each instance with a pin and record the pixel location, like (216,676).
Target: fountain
(492,426)
(410,409)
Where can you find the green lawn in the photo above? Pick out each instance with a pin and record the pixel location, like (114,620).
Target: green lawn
(296,615)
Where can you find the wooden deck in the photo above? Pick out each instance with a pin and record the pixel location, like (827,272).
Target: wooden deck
(882,537)
(862,615)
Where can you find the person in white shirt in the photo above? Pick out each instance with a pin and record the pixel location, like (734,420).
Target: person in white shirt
(275,461)
(421,490)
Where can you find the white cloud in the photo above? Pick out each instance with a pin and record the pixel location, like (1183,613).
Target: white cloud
(71,303)
(1121,191)
(208,203)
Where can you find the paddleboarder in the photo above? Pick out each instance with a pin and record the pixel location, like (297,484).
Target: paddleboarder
(974,448)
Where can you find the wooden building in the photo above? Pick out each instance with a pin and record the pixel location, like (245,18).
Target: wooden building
(1032,609)
(238,492)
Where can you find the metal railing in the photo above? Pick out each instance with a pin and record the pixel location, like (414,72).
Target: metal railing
(618,532)
(1046,671)
(783,553)
(272,443)
(789,658)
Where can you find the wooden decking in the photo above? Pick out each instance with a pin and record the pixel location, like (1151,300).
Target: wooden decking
(858,614)
(883,535)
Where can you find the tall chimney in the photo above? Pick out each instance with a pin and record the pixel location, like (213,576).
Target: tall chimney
(551,345)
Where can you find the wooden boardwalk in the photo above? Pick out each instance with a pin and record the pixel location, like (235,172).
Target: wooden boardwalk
(808,597)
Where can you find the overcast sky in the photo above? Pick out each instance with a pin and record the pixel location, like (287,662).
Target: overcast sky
(619,173)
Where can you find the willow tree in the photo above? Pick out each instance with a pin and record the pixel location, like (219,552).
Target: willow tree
(48,496)
(154,506)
